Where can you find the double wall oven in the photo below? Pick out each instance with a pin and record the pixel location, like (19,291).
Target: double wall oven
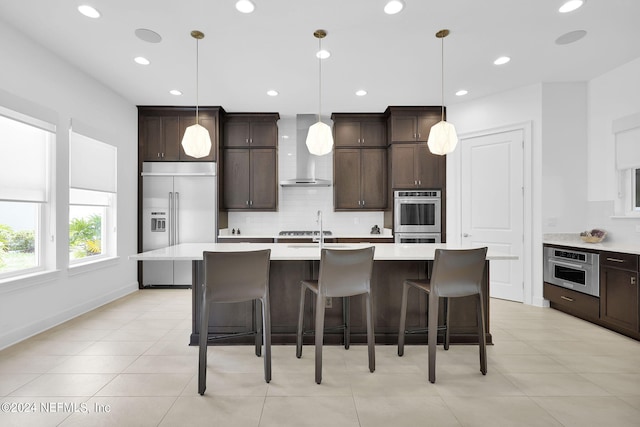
(417,216)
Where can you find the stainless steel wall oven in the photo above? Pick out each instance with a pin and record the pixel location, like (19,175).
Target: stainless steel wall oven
(572,269)
(417,212)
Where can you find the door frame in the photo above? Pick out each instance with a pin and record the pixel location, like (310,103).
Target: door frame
(454,201)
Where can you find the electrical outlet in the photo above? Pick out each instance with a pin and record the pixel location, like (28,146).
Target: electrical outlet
(328,303)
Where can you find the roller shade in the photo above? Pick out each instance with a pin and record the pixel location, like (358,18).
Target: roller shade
(627,132)
(24,160)
(92,164)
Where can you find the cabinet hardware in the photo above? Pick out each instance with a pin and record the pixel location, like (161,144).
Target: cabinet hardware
(633,280)
(247,203)
(358,202)
(566,298)
(419,182)
(246,140)
(250,202)
(363,203)
(418,135)
(363,140)
(415,182)
(615,259)
(158,155)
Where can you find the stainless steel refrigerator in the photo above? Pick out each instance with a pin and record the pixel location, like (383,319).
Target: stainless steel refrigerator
(179,205)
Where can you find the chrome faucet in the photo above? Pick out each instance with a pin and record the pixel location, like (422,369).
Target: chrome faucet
(321,236)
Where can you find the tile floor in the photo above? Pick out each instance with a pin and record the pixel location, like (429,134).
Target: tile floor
(127,364)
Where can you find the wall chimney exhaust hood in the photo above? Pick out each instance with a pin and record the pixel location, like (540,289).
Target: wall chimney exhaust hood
(305,161)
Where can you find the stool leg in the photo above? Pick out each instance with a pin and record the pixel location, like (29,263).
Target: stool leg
(371,337)
(300,331)
(266,331)
(319,336)
(202,359)
(346,319)
(482,338)
(403,319)
(446,323)
(257,327)
(432,324)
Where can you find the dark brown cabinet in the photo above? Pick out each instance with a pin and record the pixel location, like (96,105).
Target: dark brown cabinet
(250,178)
(619,291)
(243,130)
(360,179)
(160,132)
(412,124)
(414,166)
(359,130)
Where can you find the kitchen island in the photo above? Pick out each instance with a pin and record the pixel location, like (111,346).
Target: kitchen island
(291,263)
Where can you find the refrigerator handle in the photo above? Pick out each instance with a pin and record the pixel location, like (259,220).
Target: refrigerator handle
(170,218)
(176,239)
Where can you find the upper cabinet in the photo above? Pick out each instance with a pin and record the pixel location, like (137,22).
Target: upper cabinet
(411,124)
(247,130)
(360,179)
(160,132)
(359,130)
(414,166)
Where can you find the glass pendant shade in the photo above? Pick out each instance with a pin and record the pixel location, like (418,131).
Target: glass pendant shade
(196,141)
(320,139)
(442,138)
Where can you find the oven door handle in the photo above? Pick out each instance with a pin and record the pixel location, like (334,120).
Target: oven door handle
(568,264)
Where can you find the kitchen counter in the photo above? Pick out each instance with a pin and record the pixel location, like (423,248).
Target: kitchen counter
(574,241)
(293,262)
(385,233)
(308,251)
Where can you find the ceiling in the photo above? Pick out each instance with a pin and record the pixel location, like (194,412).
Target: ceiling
(396,58)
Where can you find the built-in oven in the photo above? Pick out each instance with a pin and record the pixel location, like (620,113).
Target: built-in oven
(417,238)
(572,269)
(416,211)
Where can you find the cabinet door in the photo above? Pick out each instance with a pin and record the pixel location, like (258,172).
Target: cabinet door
(346,185)
(430,167)
(374,178)
(263,179)
(171,138)
(236,179)
(347,133)
(425,122)
(373,134)
(209,123)
(152,139)
(619,298)
(404,128)
(237,134)
(403,173)
(263,134)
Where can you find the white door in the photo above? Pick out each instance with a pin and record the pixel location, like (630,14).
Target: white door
(492,205)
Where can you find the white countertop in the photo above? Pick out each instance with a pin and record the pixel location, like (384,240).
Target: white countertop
(309,251)
(574,241)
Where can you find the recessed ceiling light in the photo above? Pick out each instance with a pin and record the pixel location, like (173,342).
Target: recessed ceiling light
(272,92)
(323,54)
(175,92)
(570,6)
(394,6)
(141,60)
(361,92)
(570,37)
(462,92)
(88,11)
(148,35)
(245,6)
(502,60)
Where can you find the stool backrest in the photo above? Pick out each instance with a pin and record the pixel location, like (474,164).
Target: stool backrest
(236,276)
(345,272)
(458,272)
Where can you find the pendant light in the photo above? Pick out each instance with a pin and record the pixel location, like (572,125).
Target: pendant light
(442,137)
(319,138)
(196,141)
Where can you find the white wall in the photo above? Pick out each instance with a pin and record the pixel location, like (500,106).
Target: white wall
(611,96)
(34,80)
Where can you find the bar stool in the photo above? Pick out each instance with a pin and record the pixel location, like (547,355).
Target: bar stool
(456,273)
(236,277)
(343,273)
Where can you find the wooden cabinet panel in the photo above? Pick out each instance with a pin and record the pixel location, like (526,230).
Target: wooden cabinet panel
(236,178)
(373,133)
(412,124)
(161,138)
(403,173)
(619,295)
(359,130)
(248,130)
(404,128)
(236,134)
(263,178)
(346,133)
(576,303)
(360,179)
(414,166)
(430,168)
(151,134)
(264,134)
(425,122)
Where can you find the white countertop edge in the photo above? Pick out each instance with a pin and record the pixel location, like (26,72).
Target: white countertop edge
(628,248)
(285,252)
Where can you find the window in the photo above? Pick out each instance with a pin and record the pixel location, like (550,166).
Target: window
(92,199)
(627,140)
(26,145)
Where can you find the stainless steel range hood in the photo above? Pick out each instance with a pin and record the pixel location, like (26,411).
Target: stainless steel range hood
(305,161)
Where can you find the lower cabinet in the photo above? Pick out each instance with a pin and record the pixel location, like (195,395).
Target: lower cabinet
(572,302)
(619,291)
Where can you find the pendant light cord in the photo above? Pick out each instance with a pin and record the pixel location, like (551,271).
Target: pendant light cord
(319,79)
(442,75)
(197,77)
